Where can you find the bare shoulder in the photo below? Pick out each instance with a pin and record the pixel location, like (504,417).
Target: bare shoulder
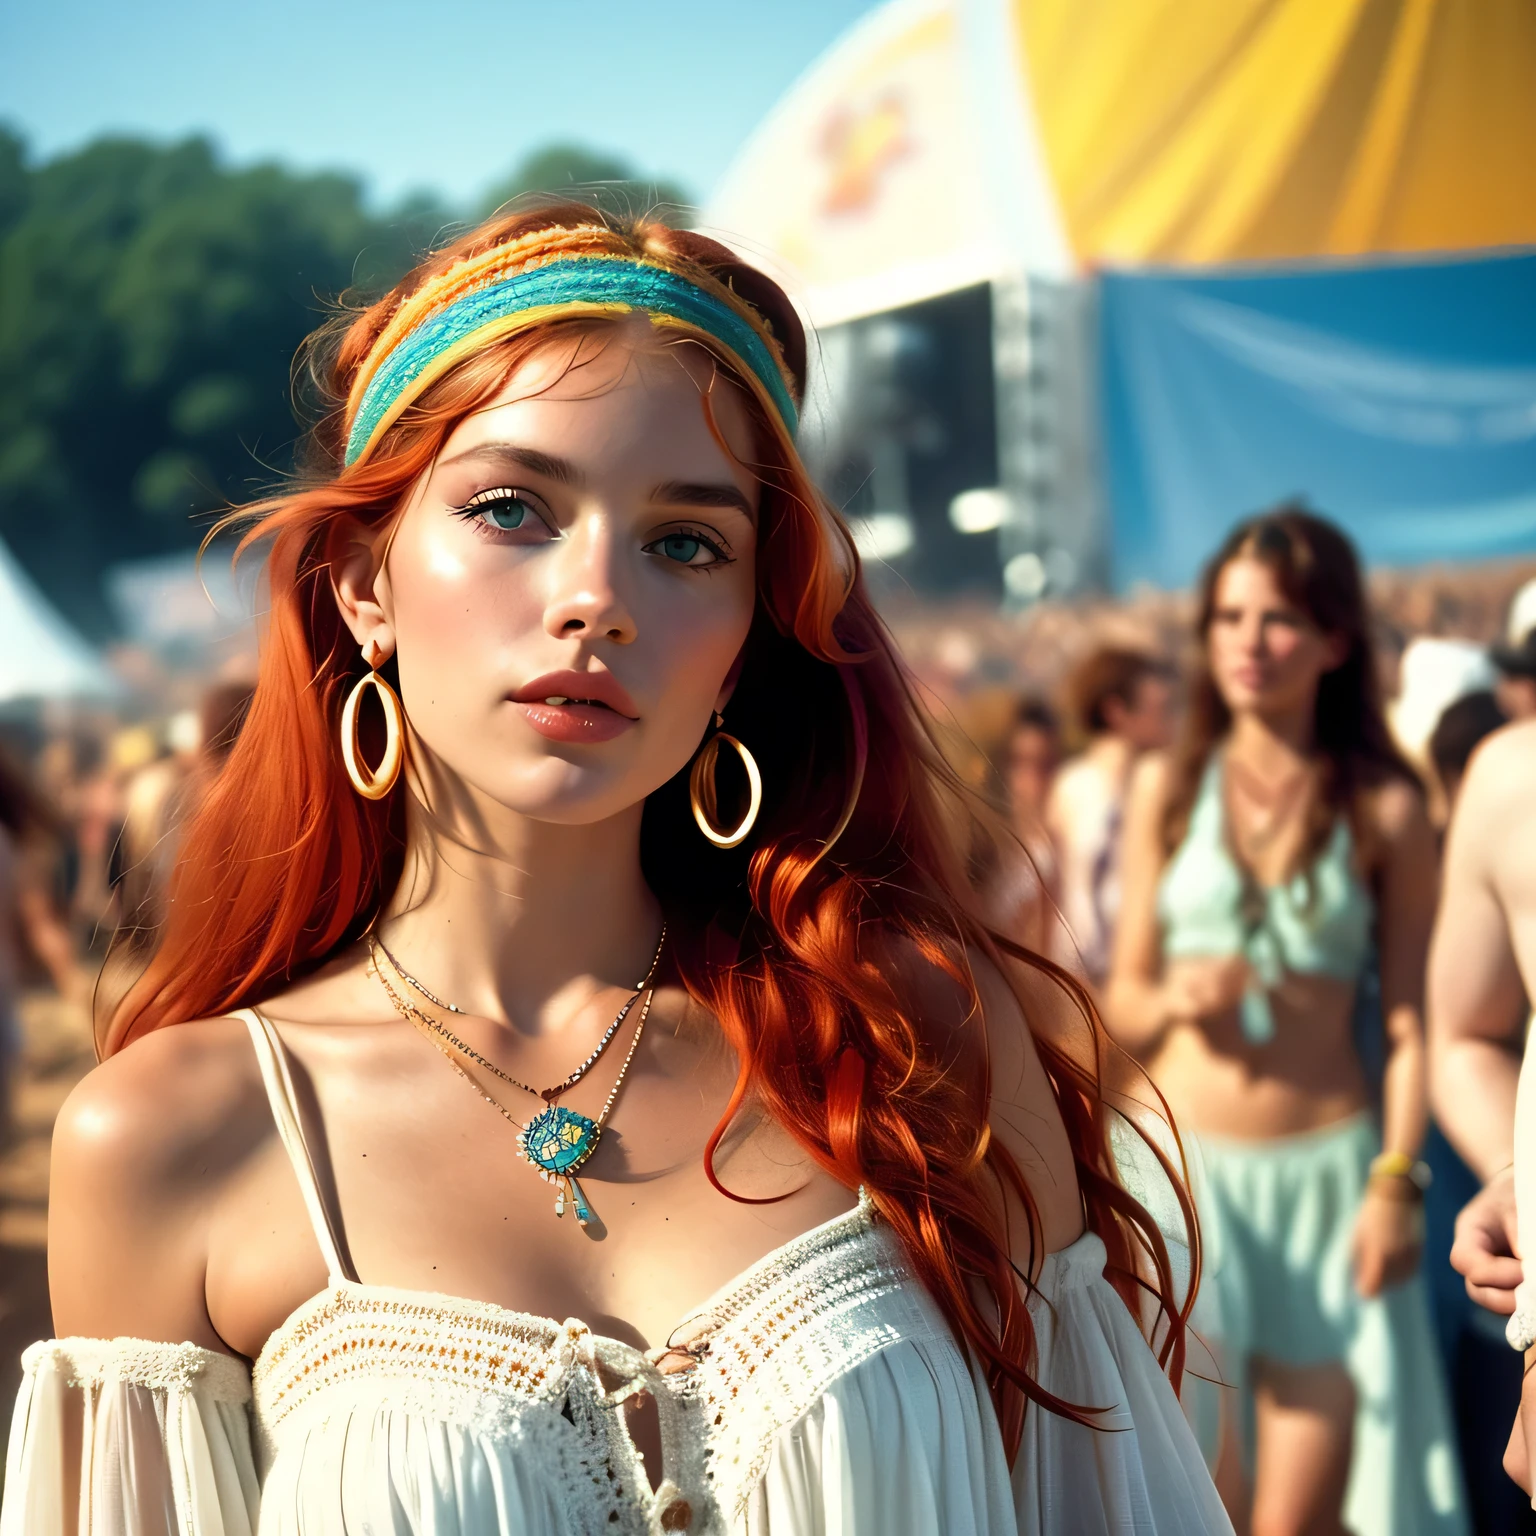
(1398,813)
(1501,772)
(1151,781)
(1148,795)
(141,1149)
(162,1099)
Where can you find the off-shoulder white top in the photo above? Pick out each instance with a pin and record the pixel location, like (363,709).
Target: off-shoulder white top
(828,1397)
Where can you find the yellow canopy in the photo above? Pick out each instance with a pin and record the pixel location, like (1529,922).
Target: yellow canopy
(1219,130)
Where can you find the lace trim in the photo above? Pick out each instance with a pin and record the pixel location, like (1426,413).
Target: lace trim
(768,1349)
(462,1351)
(492,1372)
(172,1368)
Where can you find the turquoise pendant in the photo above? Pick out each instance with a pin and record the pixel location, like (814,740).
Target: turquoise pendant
(557,1142)
(583,1210)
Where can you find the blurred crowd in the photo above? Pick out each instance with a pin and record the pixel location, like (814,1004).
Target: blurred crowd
(89,816)
(1048,714)
(1051,717)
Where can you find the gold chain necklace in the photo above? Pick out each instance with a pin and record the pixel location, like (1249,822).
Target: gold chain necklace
(377,946)
(557,1141)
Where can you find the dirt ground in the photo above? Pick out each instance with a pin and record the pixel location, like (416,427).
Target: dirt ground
(56,1053)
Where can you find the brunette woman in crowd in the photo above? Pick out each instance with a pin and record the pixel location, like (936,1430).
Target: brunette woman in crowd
(1272,865)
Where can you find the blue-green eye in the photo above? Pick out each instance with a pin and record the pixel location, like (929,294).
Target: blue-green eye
(681,547)
(687,548)
(504,509)
(505,514)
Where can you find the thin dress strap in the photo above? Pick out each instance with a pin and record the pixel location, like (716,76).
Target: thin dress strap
(272,1056)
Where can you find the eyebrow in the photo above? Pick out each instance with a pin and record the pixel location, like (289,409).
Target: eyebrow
(688,493)
(546,464)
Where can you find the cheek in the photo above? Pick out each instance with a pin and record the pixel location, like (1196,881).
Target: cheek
(455,612)
(1292,648)
(1222,645)
(695,637)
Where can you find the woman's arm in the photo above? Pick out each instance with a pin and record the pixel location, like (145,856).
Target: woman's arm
(1140,1003)
(1406,916)
(141,1151)
(1389,1231)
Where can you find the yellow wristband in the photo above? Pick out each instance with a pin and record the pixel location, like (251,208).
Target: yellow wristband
(1403,1172)
(1392,1165)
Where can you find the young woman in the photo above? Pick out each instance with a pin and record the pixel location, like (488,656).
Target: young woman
(1018,874)
(626,988)
(1265,865)
(1122,701)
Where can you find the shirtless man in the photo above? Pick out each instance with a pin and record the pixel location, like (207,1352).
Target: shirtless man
(1482,969)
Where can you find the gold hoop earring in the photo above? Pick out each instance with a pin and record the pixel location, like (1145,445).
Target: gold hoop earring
(701,790)
(373,784)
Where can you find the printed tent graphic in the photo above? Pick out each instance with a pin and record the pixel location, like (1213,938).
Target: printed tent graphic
(41,657)
(946,143)
(871,185)
(941,142)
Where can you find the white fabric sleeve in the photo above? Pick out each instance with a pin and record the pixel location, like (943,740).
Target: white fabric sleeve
(130,1438)
(899,1446)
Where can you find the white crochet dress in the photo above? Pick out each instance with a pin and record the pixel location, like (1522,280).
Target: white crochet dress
(829,1397)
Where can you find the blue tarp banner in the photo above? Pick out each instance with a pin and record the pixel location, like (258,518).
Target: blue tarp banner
(1398,398)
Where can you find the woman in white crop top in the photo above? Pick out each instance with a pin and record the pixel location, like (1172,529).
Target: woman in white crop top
(573,1092)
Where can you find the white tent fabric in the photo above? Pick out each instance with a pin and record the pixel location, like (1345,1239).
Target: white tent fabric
(901,166)
(41,657)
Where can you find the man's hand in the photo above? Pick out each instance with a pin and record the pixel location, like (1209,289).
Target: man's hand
(1485,1252)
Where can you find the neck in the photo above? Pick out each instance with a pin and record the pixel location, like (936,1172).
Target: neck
(1275,743)
(1113,755)
(522,921)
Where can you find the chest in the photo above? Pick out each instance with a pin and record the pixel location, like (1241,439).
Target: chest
(522,1415)
(1514,885)
(428,1192)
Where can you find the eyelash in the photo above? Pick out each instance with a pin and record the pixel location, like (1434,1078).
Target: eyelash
(481,500)
(470,513)
(713,544)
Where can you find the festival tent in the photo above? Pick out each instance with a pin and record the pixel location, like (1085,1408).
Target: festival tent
(1202,131)
(41,657)
(873,184)
(1088,161)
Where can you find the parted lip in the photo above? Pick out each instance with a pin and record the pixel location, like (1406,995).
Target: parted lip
(599,687)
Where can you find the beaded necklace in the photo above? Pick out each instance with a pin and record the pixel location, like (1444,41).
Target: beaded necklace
(557,1140)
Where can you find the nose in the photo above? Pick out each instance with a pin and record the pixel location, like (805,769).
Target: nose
(584,601)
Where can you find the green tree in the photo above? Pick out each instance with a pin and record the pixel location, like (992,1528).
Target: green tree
(152,300)
(607,181)
(151,303)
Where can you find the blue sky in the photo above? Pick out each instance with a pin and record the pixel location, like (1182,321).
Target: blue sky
(446,94)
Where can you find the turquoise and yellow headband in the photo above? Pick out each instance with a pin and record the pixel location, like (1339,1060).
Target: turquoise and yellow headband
(514,287)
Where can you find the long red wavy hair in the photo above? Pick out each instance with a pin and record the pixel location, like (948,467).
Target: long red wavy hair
(787,941)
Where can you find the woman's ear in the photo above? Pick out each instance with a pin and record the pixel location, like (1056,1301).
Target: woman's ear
(1337,650)
(360,585)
